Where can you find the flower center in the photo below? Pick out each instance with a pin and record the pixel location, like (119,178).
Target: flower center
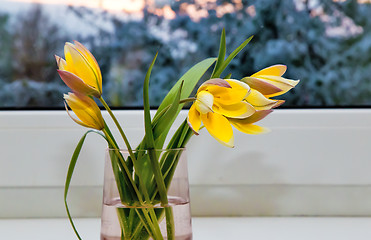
(204,102)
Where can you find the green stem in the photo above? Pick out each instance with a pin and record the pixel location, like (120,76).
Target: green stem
(155,225)
(170,226)
(118,127)
(123,222)
(123,165)
(191,99)
(158,177)
(163,193)
(146,224)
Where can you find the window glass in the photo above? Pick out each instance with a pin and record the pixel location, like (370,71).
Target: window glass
(325,44)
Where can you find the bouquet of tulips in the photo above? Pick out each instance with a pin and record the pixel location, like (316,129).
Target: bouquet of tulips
(219,104)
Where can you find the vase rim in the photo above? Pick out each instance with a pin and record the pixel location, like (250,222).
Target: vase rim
(142,150)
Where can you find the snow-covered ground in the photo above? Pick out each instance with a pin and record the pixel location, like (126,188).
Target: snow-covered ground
(63,16)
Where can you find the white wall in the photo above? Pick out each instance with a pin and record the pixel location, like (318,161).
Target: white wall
(314,162)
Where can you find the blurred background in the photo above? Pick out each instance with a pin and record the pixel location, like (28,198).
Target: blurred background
(326,44)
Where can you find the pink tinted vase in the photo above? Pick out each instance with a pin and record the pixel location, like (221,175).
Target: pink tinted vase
(124,217)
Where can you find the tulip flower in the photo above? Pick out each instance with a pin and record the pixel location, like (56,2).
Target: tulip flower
(246,125)
(80,70)
(87,111)
(268,83)
(218,102)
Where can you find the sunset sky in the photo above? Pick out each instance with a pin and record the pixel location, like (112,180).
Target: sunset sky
(118,5)
(161,7)
(112,5)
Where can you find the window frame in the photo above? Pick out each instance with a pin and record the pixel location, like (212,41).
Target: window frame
(279,173)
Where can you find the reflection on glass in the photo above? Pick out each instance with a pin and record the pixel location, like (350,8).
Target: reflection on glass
(327,44)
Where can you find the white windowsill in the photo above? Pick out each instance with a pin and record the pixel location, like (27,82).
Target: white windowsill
(205,229)
(313,163)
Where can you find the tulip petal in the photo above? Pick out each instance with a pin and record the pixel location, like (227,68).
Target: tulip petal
(250,128)
(278,103)
(76,84)
(280,82)
(204,102)
(257,116)
(194,119)
(75,119)
(238,85)
(259,101)
(77,64)
(275,70)
(91,59)
(216,82)
(60,62)
(219,127)
(237,110)
(262,86)
(85,109)
(228,96)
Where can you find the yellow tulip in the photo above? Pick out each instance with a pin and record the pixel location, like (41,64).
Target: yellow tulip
(80,71)
(268,83)
(217,103)
(87,111)
(246,125)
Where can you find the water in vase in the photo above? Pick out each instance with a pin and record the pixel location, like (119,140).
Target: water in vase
(110,226)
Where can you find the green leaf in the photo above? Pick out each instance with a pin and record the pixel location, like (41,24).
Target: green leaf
(125,189)
(147,116)
(169,161)
(160,115)
(160,126)
(221,55)
(231,57)
(71,168)
(143,169)
(228,76)
(149,140)
(190,79)
(181,136)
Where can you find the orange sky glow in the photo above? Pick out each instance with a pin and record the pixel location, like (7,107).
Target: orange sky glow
(136,6)
(110,5)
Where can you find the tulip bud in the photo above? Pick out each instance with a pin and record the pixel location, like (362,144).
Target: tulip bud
(80,71)
(87,111)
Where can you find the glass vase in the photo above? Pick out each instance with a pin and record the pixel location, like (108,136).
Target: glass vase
(133,206)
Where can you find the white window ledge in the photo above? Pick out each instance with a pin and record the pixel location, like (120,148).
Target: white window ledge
(313,163)
(205,229)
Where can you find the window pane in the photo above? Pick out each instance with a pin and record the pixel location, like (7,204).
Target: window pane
(325,44)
